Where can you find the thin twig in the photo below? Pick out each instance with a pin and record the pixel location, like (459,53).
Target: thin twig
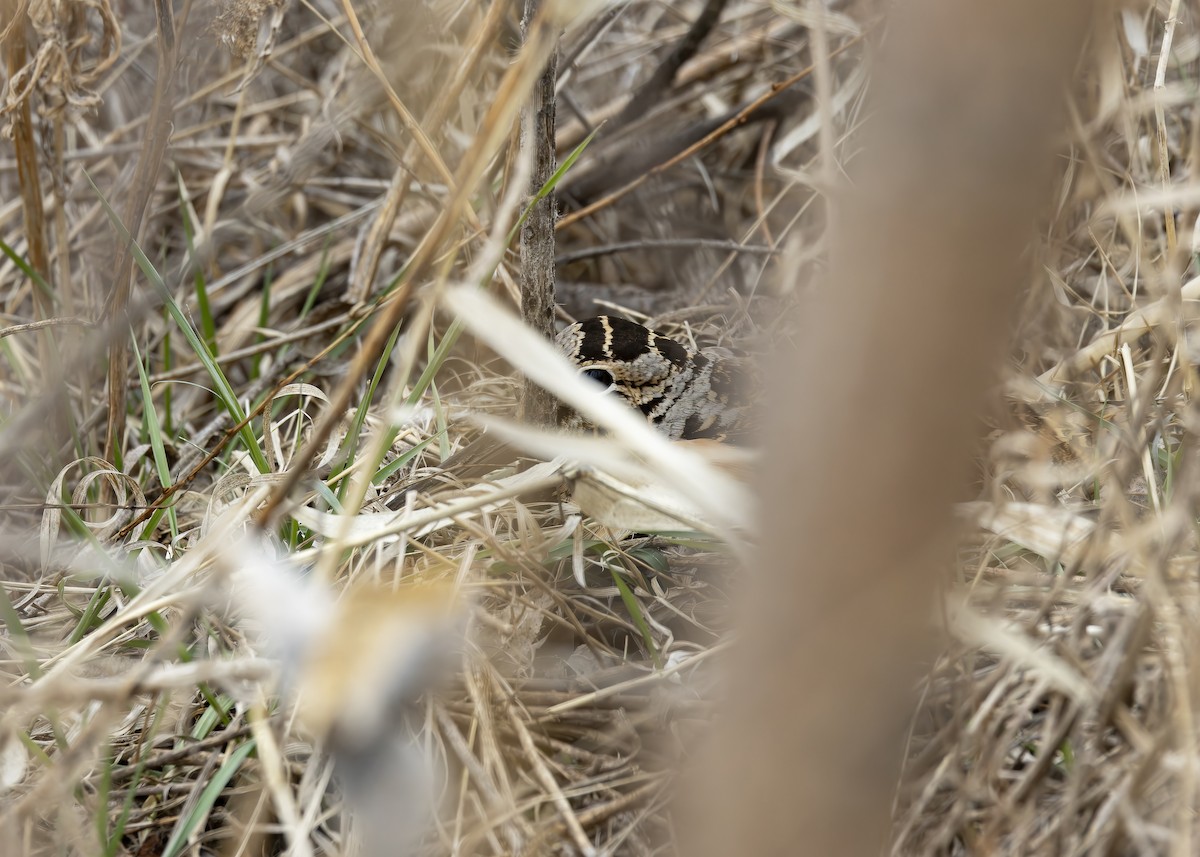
(49,322)
(663,244)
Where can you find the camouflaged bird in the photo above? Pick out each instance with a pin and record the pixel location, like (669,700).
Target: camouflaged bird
(686,394)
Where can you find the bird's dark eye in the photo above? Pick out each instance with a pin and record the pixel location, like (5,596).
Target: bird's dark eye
(602,375)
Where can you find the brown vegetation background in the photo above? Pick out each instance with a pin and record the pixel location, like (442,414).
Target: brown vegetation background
(260,266)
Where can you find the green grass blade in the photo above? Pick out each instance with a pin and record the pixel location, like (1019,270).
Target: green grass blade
(156,440)
(635,613)
(550,184)
(207,324)
(264,316)
(26,268)
(199,813)
(385,473)
(222,388)
(360,413)
(112,846)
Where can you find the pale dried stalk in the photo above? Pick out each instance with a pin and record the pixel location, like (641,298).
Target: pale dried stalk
(864,468)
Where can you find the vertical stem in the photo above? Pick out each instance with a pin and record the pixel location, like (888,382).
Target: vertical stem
(145,177)
(15,49)
(27,168)
(537,233)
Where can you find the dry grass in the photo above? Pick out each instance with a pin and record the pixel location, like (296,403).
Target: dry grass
(496,668)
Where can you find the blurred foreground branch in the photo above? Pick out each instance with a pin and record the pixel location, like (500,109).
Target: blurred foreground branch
(873,421)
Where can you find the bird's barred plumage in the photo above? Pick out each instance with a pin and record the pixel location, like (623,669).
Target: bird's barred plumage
(687,394)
